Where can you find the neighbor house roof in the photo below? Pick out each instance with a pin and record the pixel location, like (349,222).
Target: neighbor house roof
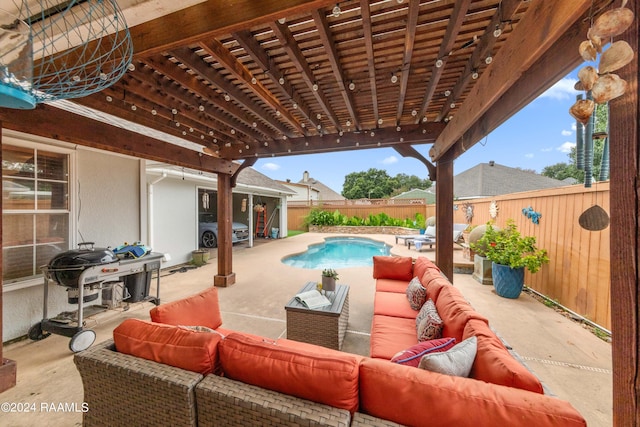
(417,193)
(326,193)
(492,179)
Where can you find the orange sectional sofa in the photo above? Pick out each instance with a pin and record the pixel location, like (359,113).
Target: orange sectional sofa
(184,368)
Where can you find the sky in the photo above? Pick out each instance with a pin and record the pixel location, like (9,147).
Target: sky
(539,135)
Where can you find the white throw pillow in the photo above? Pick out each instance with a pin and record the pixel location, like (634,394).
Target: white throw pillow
(456,362)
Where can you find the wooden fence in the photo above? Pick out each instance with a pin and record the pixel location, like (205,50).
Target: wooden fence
(578,275)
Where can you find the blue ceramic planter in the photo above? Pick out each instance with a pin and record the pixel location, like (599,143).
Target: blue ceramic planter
(507,281)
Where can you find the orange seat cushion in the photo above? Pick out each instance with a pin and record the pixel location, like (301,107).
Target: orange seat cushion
(329,377)
(393,304)
(390,335)
(494,363)
(412,396)
(391,285)
(201,309)
(171,345)
(393,267)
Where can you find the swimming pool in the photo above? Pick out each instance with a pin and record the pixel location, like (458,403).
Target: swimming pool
(339,252)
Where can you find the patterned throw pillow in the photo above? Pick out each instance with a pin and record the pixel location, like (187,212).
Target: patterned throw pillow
(430,327)
(423,313)
(412,355)
(416,293)
(457,361)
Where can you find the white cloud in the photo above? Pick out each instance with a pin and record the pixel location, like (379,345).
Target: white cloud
(529,155)
(574,126)
(566,147)
(546,150)
(566,132)
(271,166)
(390,160)
(561,90)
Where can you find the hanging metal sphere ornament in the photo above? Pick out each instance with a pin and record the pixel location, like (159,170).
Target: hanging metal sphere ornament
(73,49)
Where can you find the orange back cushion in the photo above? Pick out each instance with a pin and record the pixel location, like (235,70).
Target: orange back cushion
(202,309)
(412,396)
(171,345)
(393,267)
(433,281)
(494,363)
(423,264)
(325,376)
(455,311)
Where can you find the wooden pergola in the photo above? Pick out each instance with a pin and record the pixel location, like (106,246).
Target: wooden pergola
(244,80)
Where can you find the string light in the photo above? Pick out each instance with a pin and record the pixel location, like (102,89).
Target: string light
(336,11)
(352,85)
(394,78)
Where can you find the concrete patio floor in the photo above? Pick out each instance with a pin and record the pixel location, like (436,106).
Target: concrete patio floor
(572,363)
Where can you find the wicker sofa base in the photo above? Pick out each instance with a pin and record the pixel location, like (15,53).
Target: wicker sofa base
(225,402)
(124,390)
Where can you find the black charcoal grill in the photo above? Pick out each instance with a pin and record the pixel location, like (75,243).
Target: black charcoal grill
(83,272)
(65,268)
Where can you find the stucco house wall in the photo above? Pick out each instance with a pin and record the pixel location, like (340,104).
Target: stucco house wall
(105,201)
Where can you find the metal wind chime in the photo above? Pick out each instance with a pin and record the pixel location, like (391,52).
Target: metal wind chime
(53,50)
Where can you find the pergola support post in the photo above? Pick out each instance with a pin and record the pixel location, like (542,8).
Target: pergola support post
(225,276)
(624,134)
(444,215)
(8,371)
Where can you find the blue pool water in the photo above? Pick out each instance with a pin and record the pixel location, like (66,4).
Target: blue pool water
(339,252)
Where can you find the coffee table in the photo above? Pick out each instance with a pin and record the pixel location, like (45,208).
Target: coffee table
(325,326)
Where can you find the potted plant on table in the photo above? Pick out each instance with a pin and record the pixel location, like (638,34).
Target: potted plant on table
(329,277)
(511,253)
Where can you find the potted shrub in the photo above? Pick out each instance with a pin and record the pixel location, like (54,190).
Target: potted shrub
(511,253)
(329,277)
(481,264)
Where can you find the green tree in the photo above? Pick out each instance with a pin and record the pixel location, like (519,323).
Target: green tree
(374,184)
(410,182)
(377,184)
(565,170)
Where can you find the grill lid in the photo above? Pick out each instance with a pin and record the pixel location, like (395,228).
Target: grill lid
(66,267)
(83,257)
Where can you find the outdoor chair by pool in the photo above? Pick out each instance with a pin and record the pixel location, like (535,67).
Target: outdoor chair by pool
(430,239)
(430,232)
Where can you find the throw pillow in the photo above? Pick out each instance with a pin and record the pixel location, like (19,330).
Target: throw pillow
(412,355)
(416,294)
(428,322)
(456,362)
